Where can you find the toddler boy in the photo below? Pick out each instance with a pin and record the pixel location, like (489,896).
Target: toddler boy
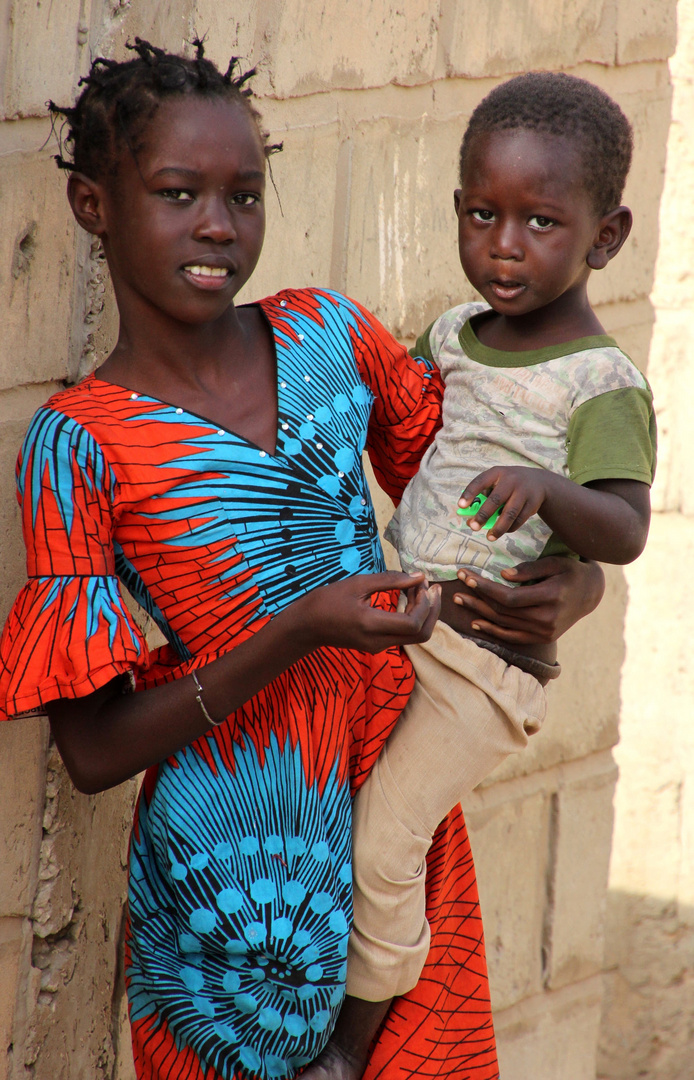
(546,416)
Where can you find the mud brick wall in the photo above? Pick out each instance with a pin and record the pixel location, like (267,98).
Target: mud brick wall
(370,99)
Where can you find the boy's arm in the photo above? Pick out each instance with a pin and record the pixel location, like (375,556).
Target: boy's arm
(605,520)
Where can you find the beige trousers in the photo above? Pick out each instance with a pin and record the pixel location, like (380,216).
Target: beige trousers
(468,711)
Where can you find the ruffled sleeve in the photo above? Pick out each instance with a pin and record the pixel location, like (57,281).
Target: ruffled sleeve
(406,413)
(69,631)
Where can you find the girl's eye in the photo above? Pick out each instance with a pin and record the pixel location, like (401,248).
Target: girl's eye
(176,195)
(482,215)
(540,222)
(246,198)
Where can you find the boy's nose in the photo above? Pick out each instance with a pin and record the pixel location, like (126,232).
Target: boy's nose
(507,242)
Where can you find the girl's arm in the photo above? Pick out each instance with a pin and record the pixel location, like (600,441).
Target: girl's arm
(107,736)
(606,519)
(556,593)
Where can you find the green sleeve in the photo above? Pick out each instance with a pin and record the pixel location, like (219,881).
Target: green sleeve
(422,347)
(613,437)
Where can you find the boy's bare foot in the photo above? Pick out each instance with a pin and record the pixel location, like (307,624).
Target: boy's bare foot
(346,1055)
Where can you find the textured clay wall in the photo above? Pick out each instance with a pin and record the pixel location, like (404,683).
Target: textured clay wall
(648,1021)
(371,99)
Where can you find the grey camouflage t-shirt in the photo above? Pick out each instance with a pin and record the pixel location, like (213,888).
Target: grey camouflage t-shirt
(581,409)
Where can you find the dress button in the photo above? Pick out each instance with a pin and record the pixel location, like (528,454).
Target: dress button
(179,411)
(309,416)
(340,474)
(283,303)
(220,431)
(263,454)
(319,446)
(307,378)
(134,397)
(283,385)
(300,337)
(363,502)
(285,427)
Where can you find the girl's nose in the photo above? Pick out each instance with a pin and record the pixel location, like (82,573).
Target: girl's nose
(216,222)
(507,241)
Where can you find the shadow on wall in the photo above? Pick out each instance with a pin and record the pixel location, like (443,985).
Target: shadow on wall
(648,1006)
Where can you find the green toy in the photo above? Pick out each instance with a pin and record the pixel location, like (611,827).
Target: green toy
(477,504)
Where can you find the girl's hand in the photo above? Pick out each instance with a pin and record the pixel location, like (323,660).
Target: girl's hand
(341,614)
(564,590)
(517,491)
(107,736)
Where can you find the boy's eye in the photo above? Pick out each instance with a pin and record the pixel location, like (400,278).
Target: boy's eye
(540,222)
(176,195)
(482,215)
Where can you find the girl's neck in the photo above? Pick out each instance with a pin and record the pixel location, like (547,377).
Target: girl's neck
(157,352)
(224,372)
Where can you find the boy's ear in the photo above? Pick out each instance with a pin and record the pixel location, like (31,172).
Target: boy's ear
(611,234)
(86,197)
(456,200)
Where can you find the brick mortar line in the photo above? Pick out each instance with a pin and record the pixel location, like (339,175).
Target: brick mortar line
(600,765)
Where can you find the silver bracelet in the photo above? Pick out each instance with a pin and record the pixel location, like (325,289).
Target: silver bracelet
(201,703)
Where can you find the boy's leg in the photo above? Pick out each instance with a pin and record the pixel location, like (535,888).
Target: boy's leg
(468,711)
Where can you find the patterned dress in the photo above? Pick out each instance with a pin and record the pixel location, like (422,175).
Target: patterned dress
(240,863)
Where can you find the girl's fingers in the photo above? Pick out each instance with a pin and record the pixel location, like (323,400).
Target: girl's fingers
(513,636)
(529,619)
(547,567)
(405,627)
(503,597)
(368,584)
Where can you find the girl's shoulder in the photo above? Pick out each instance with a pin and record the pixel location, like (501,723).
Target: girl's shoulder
(90,399)
(88,419)
(323,307)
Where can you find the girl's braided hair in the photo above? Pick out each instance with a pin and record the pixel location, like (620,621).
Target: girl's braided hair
(121,97)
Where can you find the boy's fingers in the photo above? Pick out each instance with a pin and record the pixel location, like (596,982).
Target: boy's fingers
(480,484)
(514,514)
(495,499)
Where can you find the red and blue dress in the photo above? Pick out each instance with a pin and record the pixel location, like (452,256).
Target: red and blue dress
(240,862)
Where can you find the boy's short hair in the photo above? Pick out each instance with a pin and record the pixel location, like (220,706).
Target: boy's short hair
(554,103)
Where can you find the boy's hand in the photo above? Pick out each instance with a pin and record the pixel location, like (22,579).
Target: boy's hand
(516,491)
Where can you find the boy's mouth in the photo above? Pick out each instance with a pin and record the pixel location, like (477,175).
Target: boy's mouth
(506,290)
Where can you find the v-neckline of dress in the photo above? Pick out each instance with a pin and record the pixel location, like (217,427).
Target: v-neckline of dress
(181,409)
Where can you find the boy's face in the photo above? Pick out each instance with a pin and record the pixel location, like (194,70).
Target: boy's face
(526,222)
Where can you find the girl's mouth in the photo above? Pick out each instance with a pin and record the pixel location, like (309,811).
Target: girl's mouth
(207,277)
(506,290)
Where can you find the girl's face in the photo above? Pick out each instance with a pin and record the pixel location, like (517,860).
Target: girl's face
(184,219)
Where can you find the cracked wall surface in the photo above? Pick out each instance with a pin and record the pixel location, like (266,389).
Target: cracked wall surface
(370,99)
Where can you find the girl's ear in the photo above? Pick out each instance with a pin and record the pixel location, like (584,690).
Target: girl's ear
(611,234)
(86,197)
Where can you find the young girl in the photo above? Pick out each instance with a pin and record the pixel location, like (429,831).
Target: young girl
(213,465)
